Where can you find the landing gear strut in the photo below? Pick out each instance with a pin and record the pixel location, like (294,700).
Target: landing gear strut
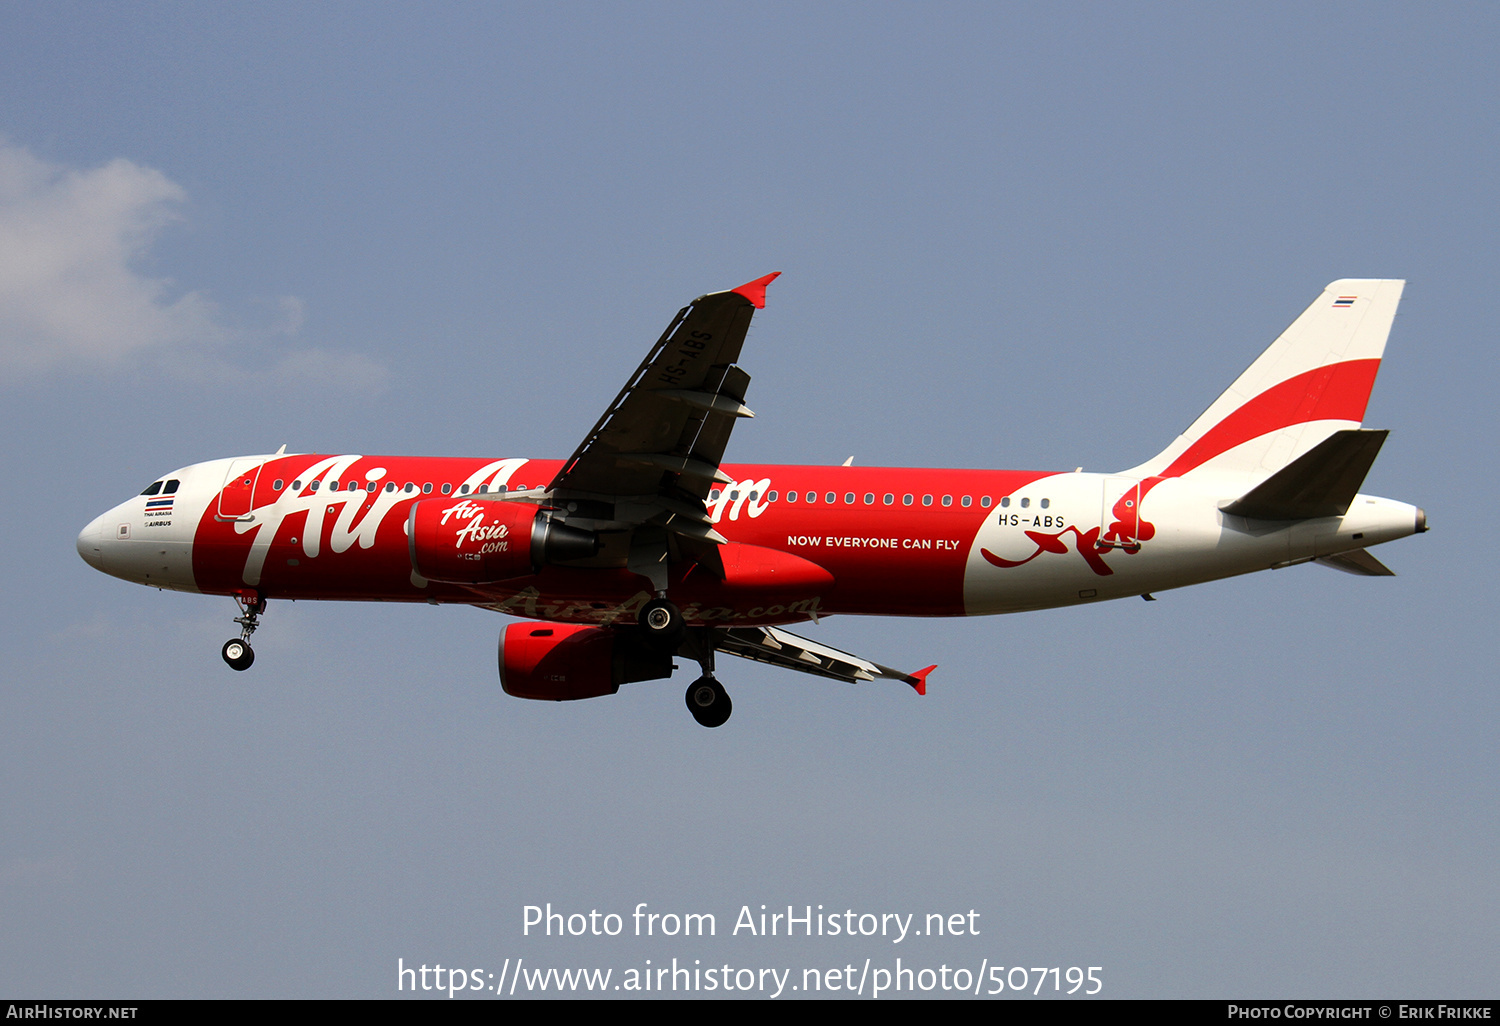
(663,629)
(708,702)
(237,651)
(706,698)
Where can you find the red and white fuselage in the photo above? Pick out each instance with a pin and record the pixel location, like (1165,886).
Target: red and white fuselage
(893,541)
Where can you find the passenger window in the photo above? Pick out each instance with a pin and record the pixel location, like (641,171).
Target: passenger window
(831,497)
(409,488)
(754,495)
(906,499)
(1025,503)
(985,502)
(427,488)
(447,488)
(790,496)
(927,500)
(483,489)
(152,488)
(869,498)
(771,496)
(849,498)
(463,490)
(371,487)
(966,502)
(1046,503)
(889,498)
(297,485)
(1005,502)
(315,484)
(947,500)
(277,486)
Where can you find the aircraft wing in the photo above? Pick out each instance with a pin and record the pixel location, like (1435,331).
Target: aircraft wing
(654,455)
(791,652)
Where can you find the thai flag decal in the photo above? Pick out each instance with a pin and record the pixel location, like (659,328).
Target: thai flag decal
(1345,301)
(159,505)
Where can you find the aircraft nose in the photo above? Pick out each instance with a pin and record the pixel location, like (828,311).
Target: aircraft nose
(91,543)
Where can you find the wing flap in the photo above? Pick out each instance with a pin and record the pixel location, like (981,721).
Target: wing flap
(789,651)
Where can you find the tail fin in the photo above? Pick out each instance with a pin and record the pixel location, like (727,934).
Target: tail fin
(1313,381)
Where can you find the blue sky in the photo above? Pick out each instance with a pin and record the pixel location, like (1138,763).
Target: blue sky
(1011,236)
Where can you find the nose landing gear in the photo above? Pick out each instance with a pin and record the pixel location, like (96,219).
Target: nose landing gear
(238,654)
(237,651)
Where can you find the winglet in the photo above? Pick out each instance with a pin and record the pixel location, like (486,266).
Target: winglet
(920,683)
(755,291)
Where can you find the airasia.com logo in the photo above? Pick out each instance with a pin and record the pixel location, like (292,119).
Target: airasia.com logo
(476,530)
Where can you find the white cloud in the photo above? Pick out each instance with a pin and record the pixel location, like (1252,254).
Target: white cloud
(73,296)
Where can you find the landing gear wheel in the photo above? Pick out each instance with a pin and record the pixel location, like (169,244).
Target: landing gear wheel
(237,651)
(709,702)
(238,654)
(661,623)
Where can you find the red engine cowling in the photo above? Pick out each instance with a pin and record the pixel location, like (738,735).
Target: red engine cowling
(560,662)
(477,541)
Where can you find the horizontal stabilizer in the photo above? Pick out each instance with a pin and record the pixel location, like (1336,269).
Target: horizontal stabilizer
(1357,561)
(1322,482)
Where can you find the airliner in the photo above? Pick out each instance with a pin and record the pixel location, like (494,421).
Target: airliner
(644,545)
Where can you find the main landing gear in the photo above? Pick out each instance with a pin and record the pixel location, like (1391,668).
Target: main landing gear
(661,625)
(708,701)
(663,628)
(237,651)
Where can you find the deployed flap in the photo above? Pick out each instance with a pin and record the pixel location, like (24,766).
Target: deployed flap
(1357,561)
(660,442)
(791,652)
(1322,482)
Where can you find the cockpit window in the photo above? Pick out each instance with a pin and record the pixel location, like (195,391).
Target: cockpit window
(153,488)
(171,487)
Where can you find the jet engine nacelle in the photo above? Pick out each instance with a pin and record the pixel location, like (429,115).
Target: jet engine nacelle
(477,541)
(560,662)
